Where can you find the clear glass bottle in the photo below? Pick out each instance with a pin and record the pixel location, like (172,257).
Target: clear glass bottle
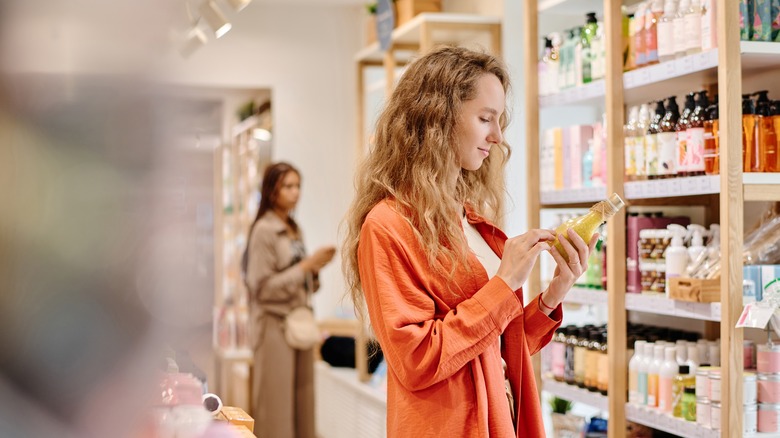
(667,140)
(695,149)
(689,403)
(586,225)
(592,360)
(692,19)
(571,344)
(655,9)
(683,379)
(711,140)
(588,34)
(751,146)
(651,141)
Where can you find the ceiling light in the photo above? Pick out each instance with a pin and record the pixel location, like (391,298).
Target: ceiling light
(215,18)
(262,134)
(195,39)
(238,5)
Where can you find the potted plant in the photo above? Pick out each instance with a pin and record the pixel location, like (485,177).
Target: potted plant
(565,425)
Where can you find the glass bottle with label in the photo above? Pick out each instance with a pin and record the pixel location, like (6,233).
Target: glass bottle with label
(603,366)
(580,356)
(571,344)
(651,141)
(695,146)
(711,140)
(751,146)
(592,360)
(667,139)
(682,135)
(655,10)
(666,36)
(586,225)
(588,34)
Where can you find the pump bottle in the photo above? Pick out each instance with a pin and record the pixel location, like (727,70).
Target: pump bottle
(711,140)
(667,139)
(751,147)
(695,144)
(651,142)
(766,134)
(676,255)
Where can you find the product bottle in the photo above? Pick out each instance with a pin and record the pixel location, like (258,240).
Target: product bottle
(603,366)
(639,35)
(587,224)
(681,128)
(593,274)
(651,142)
(544,78)
(642,370)
(577,58)
(751,147)
(629,33)
(676,255)
(681,353)
(563,60)
(640,131)
(709,34)
(652,374)
(665,377)
(580,357)
(712,140)
(588,34)
(667,139)
(559,354)
(776,119)
(571,344)
(697,242)
(762,20)
(633,372)
(655,10)
(598,51)
(679,41)
(629,141)
(592,361)
(695,143)
(692,18)
(766,133)
(689,403)
(666,32)
(693,358)
(683,379)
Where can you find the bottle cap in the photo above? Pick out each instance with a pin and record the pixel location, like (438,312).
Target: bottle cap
(684,369)
(690,390)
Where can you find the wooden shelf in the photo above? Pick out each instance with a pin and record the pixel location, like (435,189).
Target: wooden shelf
(573,196)
(570,7)
(660,305)
(667,423)
(454,28)
(664,188)
(575,394)
(587,296)
(761,186)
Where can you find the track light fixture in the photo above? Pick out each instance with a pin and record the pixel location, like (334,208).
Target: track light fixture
(238,5)
(214,17)
(195,39)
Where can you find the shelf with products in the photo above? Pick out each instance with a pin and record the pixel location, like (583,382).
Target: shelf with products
(573,196)
(667,423)
(660,305)
(575,394)
(569,7)
(587,94)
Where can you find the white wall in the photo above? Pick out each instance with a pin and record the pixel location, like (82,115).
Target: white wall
(303,53)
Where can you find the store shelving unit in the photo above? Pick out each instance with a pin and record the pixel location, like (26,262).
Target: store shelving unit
(574,196)
(724,194)
(575,394)
(416,36)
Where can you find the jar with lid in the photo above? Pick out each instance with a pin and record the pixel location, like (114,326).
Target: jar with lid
(715,388)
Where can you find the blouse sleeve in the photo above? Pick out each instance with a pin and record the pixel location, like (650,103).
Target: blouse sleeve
(420,348)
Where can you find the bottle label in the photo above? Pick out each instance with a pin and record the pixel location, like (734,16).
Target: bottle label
(682,152)
(652,390)
(695,150)
(633,387)
(642,387)
(665,394)
(665,39)
(651,154)
(639,155)
(558,360)
(667,153)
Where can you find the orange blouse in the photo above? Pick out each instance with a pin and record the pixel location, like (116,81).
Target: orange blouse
(440,336)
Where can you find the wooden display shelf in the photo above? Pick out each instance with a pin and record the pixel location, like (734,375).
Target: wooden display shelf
(660,305)
(667,423)
(573,196)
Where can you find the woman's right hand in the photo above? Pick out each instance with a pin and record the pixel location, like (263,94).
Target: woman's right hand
(319,259)
(520,254)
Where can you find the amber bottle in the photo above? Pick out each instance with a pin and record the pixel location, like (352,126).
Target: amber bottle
(711,140)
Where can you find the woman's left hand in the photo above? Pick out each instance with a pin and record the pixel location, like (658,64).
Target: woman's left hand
(566,273)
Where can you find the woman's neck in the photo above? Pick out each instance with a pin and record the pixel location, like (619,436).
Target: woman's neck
(281,213)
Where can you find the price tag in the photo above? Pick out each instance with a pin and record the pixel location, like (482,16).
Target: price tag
(686,65)
(669,69)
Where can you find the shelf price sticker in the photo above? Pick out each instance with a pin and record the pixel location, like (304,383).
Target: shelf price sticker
(756,315)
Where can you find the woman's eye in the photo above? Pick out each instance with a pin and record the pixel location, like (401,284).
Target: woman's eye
(484,120)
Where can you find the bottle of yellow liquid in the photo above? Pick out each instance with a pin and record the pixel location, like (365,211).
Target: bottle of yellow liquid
(587,224)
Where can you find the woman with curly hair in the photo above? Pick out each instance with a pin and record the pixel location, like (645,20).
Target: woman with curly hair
(442,284)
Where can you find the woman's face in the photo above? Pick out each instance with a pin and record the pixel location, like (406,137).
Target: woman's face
(478,128)
(289,191)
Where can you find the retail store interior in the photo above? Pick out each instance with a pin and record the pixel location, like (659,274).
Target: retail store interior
(135,137)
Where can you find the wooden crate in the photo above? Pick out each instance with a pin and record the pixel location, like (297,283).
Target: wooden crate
(695,290)
(408,9)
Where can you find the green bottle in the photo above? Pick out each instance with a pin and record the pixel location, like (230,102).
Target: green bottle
(588,56)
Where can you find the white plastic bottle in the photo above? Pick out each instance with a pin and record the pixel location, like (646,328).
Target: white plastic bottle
(644,364)
(676,255)
(633,372)
(693,358)
(666,375)
(666,32)
(697,242)
(653,370)
(681,354)
(692,18)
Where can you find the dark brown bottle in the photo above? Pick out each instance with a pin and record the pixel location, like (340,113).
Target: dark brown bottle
(681,129)
(711,140)
(667,139)
(695,151)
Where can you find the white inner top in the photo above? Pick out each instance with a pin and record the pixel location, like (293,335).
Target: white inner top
(486,256)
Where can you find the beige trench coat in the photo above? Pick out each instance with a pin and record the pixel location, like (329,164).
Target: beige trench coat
(283,378)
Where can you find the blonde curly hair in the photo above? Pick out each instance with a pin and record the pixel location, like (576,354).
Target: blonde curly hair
(412,160)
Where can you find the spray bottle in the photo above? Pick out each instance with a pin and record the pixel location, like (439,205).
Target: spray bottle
(676,254)
(697,241)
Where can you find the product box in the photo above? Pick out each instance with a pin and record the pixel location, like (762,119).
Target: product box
(635,224)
